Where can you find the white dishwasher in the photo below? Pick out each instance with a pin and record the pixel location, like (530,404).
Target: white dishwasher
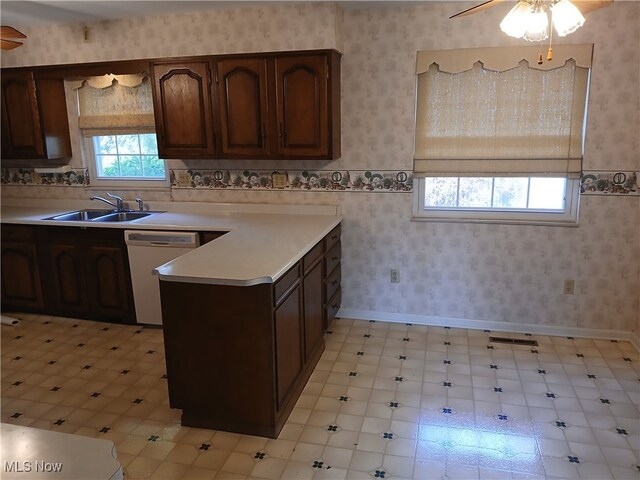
(147,250)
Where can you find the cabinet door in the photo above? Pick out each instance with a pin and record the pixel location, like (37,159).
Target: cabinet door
(242,101)
(20,275)
(313,310)
(21,126)
(288,339)
(301,106)
(183,111)
(68,279)
(106,268)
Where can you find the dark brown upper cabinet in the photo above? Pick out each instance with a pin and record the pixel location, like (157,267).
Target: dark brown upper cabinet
(279,106)
(243,107)
(301,106)
(35,124)
(183,109)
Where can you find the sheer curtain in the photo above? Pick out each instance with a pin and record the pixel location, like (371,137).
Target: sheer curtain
(112,103)
(496,112)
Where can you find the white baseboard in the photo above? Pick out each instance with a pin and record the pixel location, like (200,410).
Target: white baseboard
(489,325)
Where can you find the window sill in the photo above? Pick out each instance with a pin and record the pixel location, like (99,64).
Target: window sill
(128,188)
(496,221)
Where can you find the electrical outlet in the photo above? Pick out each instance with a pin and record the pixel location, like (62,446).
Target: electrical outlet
(395,275)
(279,180)
(569,286)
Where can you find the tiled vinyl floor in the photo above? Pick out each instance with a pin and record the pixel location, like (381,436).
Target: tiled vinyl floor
(385,401)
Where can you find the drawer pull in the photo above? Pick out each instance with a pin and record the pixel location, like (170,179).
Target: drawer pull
(333,237)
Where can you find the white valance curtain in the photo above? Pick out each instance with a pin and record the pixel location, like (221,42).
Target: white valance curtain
(496,112)
(115,104)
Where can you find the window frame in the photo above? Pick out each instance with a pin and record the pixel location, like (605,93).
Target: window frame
(120,182)
(567,217)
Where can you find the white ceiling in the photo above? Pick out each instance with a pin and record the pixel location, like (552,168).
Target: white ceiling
(43,12)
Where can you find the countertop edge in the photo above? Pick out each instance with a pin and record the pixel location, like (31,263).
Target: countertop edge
(271,243)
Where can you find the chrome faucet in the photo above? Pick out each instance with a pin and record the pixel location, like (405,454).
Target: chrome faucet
(118,206)
(140,204)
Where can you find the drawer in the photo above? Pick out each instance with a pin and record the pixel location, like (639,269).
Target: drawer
(332,258)
(333,306)
(16,233)
(285,283)
(332,238)
(333,282)
(309,260)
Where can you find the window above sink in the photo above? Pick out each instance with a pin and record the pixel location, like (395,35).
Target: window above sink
(117,126)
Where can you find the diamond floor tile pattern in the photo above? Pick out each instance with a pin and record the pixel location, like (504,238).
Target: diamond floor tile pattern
(386,400)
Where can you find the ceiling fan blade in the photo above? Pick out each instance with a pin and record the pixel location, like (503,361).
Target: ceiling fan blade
(10,32)
(587,6)
(9,44)
(478,8)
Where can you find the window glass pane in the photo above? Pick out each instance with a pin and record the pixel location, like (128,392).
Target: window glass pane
(128,144)
(148,144)
(510,192)
(152,166)
(105,144)
(440,191)
(131,166)
(130,157)
(547,193)
(107,166)
(475,192)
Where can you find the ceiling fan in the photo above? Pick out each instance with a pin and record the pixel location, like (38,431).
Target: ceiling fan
(10,32)
(585,6)
(532,20)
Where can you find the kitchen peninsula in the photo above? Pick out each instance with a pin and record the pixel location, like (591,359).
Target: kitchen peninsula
(244,315)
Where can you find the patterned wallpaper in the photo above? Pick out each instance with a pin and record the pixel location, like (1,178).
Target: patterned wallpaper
(486,272)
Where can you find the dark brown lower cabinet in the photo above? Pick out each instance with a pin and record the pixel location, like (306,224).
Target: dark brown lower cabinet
(313,310)
(238,357)
(71,271)
(288,344)
(68,282)
(88,272)
(21,285)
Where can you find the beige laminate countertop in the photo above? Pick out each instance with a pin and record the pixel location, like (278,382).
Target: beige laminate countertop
(262,243)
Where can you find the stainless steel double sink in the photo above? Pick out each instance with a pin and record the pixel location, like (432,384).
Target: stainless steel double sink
(89,215)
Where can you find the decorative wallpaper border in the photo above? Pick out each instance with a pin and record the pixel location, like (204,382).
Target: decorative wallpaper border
(599,182)
(592,182)
(307,180)
(315,180)
(78,177)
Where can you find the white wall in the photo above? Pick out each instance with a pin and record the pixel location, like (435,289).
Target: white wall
(482,272)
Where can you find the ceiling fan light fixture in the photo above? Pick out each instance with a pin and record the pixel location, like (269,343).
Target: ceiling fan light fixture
(527,20)
(537,26)
(566,17)
(515,23)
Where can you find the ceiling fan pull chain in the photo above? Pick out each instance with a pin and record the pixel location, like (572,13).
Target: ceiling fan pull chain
(550,51)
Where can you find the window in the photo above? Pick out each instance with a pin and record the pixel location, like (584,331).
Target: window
(498,199)
(498,136)
(116,121)
(133,156)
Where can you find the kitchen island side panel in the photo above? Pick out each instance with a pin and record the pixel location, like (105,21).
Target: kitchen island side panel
(219,354)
